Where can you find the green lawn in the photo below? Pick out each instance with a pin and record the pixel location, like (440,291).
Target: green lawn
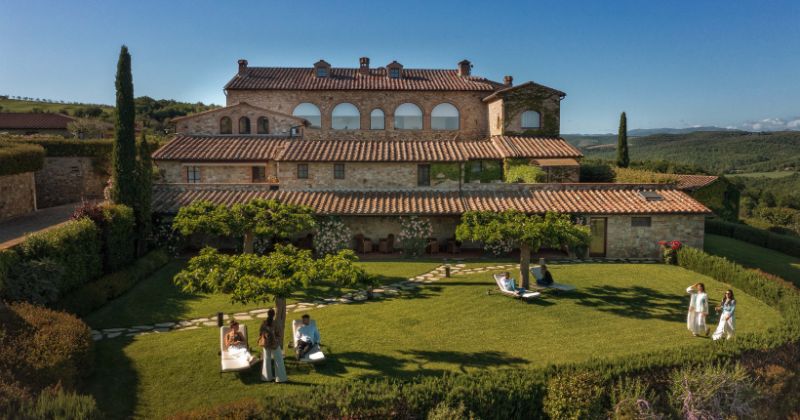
(449,326)
(771,175)
(754,256)
(157,299)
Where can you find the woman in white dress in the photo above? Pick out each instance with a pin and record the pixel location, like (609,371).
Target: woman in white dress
(727,321)
(236,345)
(698,309)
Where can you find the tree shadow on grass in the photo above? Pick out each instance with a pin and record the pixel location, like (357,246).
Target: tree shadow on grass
(632,302)
(114,381)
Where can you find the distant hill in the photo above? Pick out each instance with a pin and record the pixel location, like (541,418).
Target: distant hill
(639,132)
(714,151)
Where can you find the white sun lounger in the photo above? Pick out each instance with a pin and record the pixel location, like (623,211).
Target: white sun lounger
(498,278)
(315,355)
(536,271)
(230,363)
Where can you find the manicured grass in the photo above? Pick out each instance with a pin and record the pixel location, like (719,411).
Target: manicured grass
(754,256)
(449,326)
(771,175)
(158,299)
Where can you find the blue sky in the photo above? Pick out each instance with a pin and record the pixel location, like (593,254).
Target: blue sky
(667,63)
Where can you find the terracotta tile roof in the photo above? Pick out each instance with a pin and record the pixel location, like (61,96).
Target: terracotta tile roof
(539,198)
(304,78)
(220,148)
(499,93)
(33,120)
(557,162)
(535,147)
(249,148)
(230,107)
(693,182)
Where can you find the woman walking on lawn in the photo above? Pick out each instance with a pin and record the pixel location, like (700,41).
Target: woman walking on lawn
(727,324)
(270,339)
(698,309)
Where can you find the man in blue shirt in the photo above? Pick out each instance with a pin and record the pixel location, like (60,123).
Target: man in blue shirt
(307,336)
(508,284)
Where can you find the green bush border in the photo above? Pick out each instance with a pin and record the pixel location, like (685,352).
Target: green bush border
(786,244)
(20,158)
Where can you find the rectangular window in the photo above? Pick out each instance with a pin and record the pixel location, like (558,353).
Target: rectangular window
(476,167)
(302,171)
(259,174)
(640,221)
(192,174)
(322,72)
(394,73)
(338,171)
(424,175)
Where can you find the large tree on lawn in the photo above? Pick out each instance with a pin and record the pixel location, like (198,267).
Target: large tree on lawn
(527,232)
(251,278)
(124,179)
(268,218)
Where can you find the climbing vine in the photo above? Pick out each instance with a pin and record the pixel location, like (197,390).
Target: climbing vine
(445,171)
(516,102)
(491,170)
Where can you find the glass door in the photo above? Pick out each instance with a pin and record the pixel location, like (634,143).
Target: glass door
(597,243)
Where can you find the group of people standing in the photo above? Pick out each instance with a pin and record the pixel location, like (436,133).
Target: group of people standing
(270,339)
(698,312)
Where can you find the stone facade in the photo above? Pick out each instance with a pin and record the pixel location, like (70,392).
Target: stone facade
(360,176)
(472,111)
(17,195)
(65,180)
(627,241)
(213,173)
(209,122)
(505,111)
(378,227)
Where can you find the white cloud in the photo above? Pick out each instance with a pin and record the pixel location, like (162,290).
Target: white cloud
(772,124)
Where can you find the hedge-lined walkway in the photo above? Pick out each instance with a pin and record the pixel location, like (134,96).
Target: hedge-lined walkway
(13,231)
(459,268)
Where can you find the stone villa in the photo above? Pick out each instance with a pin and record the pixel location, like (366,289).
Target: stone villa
(370,144)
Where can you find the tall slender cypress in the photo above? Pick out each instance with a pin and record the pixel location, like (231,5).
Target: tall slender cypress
(124,173)
(623,160)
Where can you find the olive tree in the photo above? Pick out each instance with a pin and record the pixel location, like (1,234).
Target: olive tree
(526,232)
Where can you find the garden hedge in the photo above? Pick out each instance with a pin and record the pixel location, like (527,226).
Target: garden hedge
(16,158)
(787,244)
(61,147)
(118,229)
(93,295)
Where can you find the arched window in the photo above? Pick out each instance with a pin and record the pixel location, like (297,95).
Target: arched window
(345,117)
(377,121)
(244,125)
(309,112)
(225,126)
(408,117)
(531,119)
(262,125)
(444,117)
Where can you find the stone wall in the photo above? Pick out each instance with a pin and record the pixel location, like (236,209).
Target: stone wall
(65,180)
(626,241)
(209,122)
(173,172)
(17,195)
(359,176)
(506,112)
(377,227)
(472,111)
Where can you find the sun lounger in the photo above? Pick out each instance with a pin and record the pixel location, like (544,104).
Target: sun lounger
(498,278)
(536,271)
(230,363)
(315,355)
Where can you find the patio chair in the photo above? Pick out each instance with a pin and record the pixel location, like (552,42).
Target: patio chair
(228,363)
(315,355)
(537,273)
(498,278)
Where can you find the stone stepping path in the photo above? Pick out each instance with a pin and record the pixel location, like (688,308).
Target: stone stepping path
(389,290)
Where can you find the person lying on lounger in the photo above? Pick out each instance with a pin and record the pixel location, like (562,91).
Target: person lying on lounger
(235,343)
(547,278)
(307,336)
(508,284)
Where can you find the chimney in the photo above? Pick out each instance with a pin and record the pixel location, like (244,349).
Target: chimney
(242,67)
(363,65)
(508,81)
(464,68)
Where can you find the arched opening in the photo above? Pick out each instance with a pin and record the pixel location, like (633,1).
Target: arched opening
(408,117)
(262,125)
(308,112)
(531,119)
(345,116)
(244,125)
(377,120)
(444,117)
(225,126)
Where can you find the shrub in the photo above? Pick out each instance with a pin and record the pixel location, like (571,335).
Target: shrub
(414,234)
(526,174)
(116,223)
(596,171)
(639,176)
(75,246)
(712,392)
(8,259)
(19,158)
(93,295)
(59,405)
(575,395)
(789,245)
(331,236)
(633,399)
(245,409)
(444,411)
(34,281)
(61,147)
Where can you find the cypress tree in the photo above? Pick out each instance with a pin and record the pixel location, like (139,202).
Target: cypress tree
(623,160)
(124,153)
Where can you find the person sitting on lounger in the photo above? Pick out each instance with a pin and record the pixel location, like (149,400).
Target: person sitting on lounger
(508,284)
(235,343)
(307,336)
(547,278)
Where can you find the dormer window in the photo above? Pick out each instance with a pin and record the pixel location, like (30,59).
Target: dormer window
(322,69)
(394,73)
(395,70)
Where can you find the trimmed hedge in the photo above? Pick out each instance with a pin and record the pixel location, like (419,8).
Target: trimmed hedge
(19,158)
(93,295)
(74,246)
(61,147)
(119,246)
(789,245)
(596,171)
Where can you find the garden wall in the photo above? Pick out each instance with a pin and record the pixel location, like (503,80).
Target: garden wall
(626,241)
(65,180)
(17,195)
(377,227)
